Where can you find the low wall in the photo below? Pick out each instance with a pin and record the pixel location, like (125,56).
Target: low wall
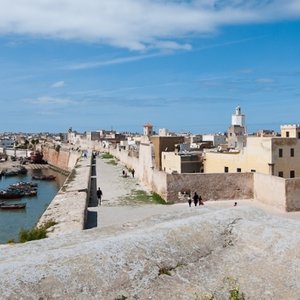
(292,194)
(16,152)
(69,206)
(211,186)
(270,190)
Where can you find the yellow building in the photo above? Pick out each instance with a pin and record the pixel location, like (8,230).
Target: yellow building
(279,156)
(174,162)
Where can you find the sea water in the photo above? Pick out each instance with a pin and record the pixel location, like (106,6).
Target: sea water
(12,221)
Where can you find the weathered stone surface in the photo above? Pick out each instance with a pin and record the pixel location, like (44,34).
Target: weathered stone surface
(175,255)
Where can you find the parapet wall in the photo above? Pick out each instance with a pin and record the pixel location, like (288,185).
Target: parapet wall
(211,186)
(292,194)
(270,190)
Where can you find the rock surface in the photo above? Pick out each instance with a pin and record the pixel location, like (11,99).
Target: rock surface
(148,251)
(185,255)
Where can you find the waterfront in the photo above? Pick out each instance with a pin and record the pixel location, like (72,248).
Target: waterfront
(11,221)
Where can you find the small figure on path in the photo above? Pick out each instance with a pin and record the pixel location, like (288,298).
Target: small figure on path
(196,198)
(132,172)
(190,201)
(99,196)
(235,204)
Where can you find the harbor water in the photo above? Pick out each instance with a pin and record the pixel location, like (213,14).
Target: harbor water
(12,221)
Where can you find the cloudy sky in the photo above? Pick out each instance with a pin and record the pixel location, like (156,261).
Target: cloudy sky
(181,65)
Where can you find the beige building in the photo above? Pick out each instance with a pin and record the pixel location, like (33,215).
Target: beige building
(175,162)
(279,156)
(164,144)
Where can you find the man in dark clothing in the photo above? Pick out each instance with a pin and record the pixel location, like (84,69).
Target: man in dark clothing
(132,172)
(196,198)
(99,196)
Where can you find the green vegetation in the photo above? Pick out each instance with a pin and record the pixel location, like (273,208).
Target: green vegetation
(57,148)
(35,233)
(158,199)
(140,196)
(234,294)
(121,297)
(107,156)
(112,162)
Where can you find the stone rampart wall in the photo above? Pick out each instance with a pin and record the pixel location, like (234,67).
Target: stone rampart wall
(69,206)
(283,194)
(63,159)
(211,186)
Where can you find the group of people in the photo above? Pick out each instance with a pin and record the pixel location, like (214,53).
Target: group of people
(124,173)
(196,199)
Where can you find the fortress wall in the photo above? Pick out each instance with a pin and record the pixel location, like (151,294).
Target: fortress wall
(211,186)
(68,208)
(270,190)
(63,159)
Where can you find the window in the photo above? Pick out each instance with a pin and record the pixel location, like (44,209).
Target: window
(239,170)
(280,174)
(253,171)
(226,169)
(292,152)
(280,152)
(292,174)
(287,134)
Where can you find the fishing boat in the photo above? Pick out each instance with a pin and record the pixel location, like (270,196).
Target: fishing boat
(10,194)
(43,177)
(4,205)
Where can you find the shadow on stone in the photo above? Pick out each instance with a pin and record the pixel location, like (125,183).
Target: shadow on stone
(91,220)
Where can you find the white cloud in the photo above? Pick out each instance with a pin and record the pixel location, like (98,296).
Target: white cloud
(136,24)
(58,84)
(114,61)
(46,100)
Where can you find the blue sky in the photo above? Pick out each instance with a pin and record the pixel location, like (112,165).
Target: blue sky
(181,65)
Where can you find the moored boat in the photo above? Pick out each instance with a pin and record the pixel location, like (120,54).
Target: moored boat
(10,194)
(12,206)
(43,177)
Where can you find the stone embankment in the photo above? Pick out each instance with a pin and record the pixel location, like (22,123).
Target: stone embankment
(68,208)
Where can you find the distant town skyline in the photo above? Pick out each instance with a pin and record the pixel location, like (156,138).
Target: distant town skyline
(181,65)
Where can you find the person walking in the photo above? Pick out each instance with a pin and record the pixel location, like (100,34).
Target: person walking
(196,198)
(132,172)
(99,196)
(190,201)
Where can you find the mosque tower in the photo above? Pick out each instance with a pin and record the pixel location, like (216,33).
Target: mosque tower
(237,131)
(238,118)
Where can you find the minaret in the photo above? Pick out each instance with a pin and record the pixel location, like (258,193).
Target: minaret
(237,131)
(238,118)
(148,129)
